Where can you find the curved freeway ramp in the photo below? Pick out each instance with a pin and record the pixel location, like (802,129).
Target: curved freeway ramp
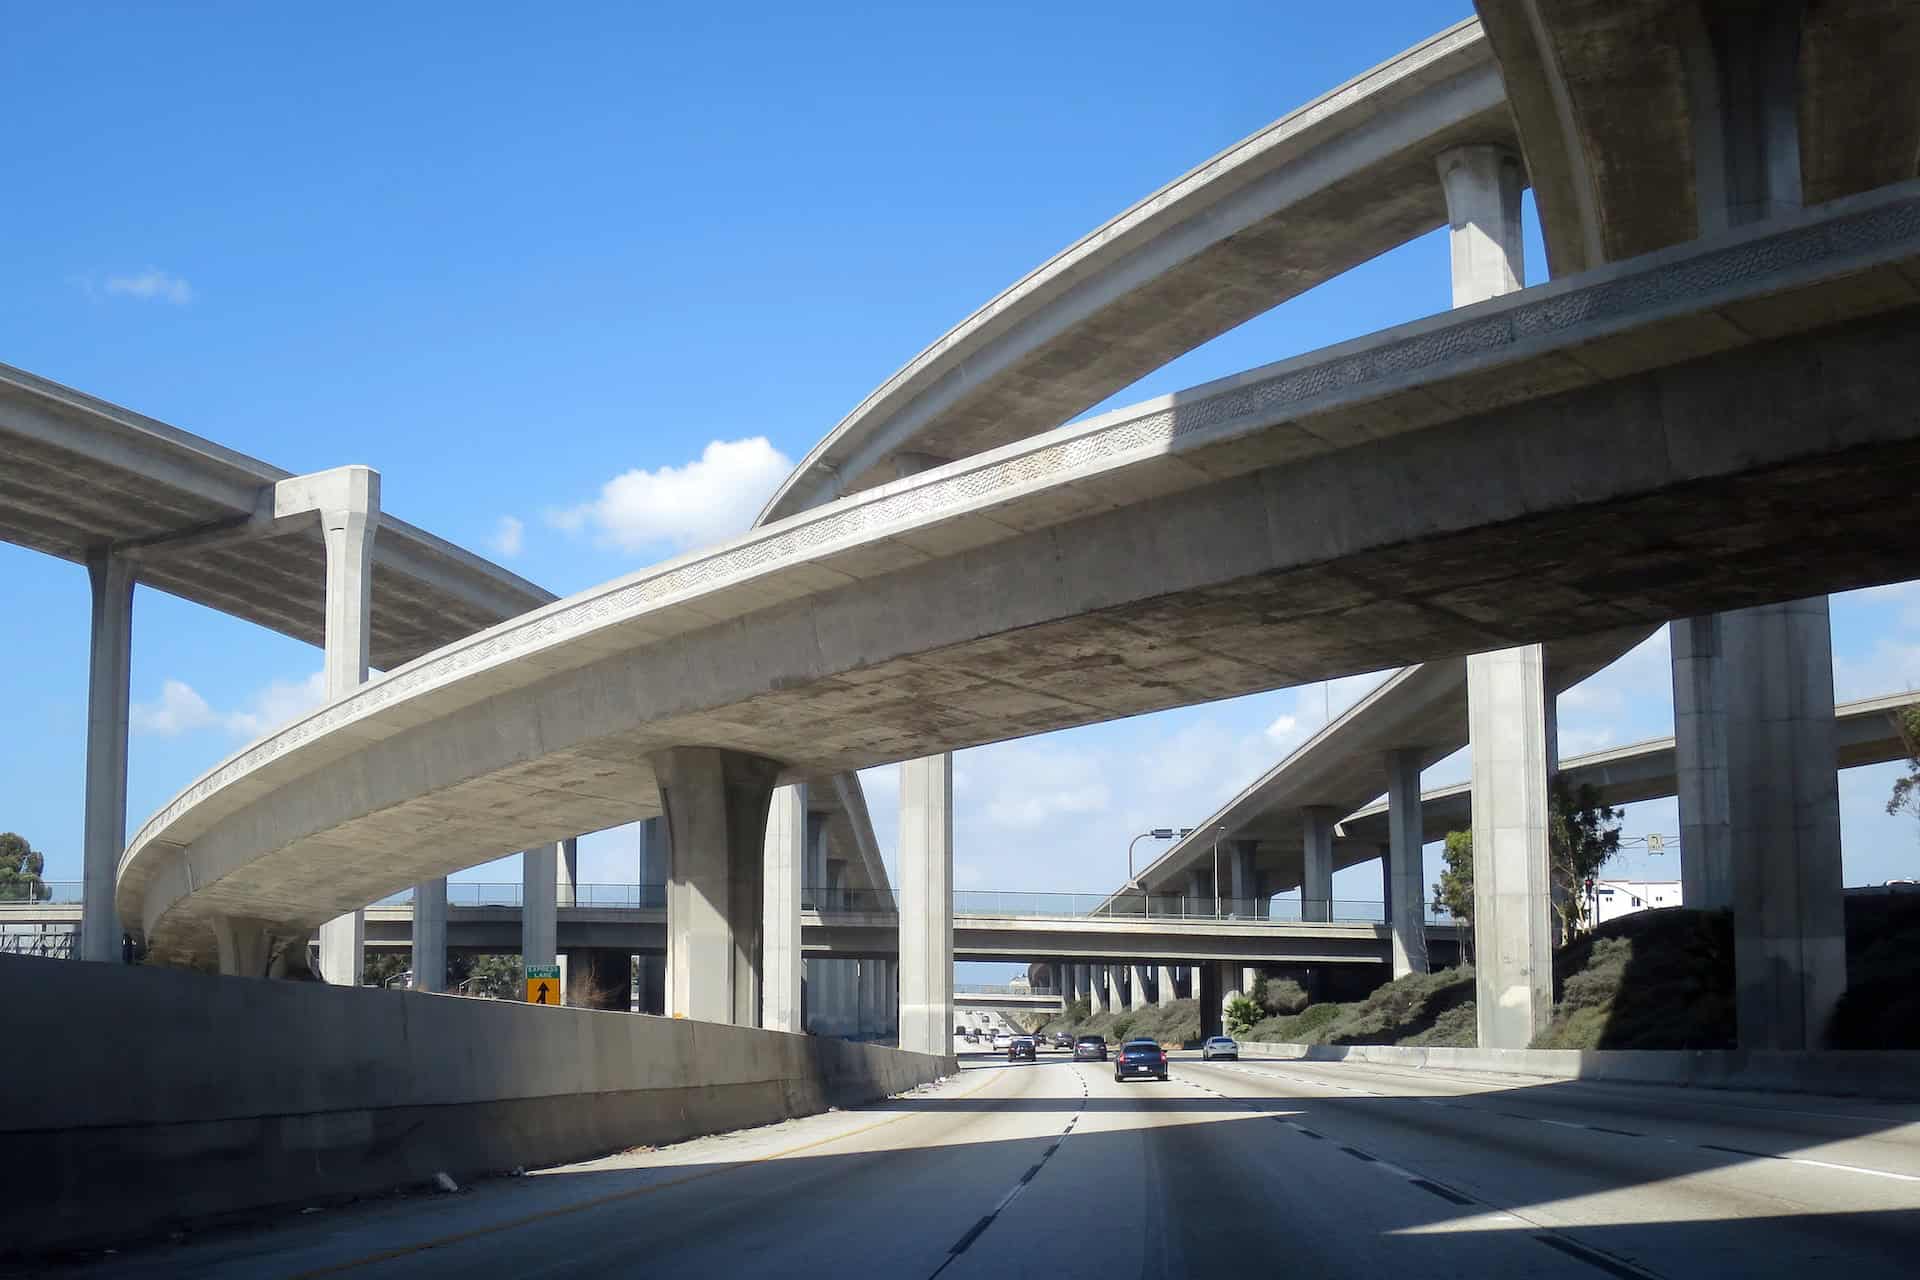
(1552,463)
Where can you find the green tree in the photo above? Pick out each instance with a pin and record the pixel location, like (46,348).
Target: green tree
(497,976)
(1242,1015)
(20,868)
(383,966)
(1582,833)
(1453,892)
(1906,790)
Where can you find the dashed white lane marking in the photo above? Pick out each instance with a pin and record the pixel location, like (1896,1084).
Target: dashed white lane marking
(1591,1128)
(1552,1237)
(979,1228)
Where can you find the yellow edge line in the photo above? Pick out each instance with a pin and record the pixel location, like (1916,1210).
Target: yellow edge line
(614,1197)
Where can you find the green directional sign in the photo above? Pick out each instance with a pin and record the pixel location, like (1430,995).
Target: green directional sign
(543,984)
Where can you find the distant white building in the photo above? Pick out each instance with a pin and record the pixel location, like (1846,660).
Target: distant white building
(1613,898)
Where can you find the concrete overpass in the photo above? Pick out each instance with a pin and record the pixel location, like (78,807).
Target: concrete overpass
(1864,732)
(1141,516)
(1007,998)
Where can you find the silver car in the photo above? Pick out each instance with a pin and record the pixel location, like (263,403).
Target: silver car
(1220,1047)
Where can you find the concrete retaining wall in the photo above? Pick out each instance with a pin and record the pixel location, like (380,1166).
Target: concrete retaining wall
(1874,1075)
(141,1097)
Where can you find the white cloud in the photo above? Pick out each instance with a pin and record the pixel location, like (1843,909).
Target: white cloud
(508,536)
(714,497)
(180,709)
(152,285)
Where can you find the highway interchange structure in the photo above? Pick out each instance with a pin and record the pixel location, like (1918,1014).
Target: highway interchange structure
(1064,575)
(1703,421)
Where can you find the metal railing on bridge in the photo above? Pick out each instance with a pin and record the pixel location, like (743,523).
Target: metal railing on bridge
(966,902)
(56,892)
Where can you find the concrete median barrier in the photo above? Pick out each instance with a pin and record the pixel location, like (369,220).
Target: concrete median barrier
(1890,1074)
(145,1097)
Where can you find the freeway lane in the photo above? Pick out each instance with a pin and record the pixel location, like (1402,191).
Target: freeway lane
(1054,1169)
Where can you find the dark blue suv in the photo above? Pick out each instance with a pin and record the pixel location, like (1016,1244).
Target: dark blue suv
(1140,1058)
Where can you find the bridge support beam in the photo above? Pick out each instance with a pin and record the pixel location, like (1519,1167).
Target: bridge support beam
(1405,864)
(1513,953)
(1790,963)
(1510,714)
(430,935)
(1165,994)
(1316,883)
(539,905)
(1243,879)
(1137,994)
(1208,991)
(1200,899)
(109,677)
(348,501)
(1097,991)
(716,806)
(926,905)
(786,851)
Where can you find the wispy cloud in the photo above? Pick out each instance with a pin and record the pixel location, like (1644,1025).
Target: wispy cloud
(713,497)
(508,537)
(180,709)
(151,285)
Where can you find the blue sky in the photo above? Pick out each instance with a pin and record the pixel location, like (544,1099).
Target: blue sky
(582,289)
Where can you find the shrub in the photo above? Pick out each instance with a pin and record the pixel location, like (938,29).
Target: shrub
(1281,995)
(1122,1024)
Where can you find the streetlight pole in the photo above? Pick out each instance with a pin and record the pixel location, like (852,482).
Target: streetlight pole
(1154,833)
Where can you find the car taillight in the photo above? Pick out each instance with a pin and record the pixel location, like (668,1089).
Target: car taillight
(1163,1055)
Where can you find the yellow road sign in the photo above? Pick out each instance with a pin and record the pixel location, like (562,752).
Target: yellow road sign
(543,984)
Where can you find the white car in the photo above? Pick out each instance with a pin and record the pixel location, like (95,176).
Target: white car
(1001,1040)
(1220,1047)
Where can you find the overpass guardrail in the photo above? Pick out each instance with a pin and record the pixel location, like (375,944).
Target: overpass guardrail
(966,902)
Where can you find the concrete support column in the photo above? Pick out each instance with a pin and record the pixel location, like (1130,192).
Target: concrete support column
(1700,762)
(1097,991)
(655,862)
(1199,892)
(566,870)
(814,877)
(926,905)
(539,900)
(1790,960)
(1233,983)
(1166,994)
(1406,867)
(1512,890)
(1210,992)
(1243,879)
(716,806)
(109,657)
(1316,881)
(872,1000)
(1483,185)
(786,850)
(348,500)
(1116,993)
(1138,997)
(430,935)
(1082,982)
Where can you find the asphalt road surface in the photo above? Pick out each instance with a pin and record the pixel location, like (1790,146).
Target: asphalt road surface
(1249,1169)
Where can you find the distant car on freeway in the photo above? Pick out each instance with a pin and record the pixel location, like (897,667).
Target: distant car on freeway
(1021,1047)
(1001,1040)
(1220,1047)
(1063,1039)
(1090,1047)
(1139,1058)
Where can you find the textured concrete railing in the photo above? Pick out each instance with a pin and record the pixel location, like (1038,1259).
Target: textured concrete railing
(201,1095)
(1867,1074)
